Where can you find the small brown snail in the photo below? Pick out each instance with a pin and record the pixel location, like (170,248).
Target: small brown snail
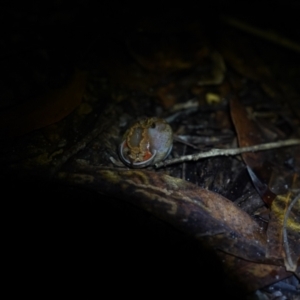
(146,142)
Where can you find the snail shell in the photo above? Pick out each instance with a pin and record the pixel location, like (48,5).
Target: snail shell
(146,142)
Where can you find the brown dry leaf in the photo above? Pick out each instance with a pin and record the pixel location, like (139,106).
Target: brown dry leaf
(198,212)
(43,111)
(209,217)
(205,215)
(249,134)
(163,53)
(283,236)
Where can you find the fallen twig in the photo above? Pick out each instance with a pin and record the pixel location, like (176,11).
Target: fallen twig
(265,34)
(226,152)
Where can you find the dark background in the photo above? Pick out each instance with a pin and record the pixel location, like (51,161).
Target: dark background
(59,233)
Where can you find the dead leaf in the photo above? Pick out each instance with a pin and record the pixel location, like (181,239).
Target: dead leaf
(43,111)
(249,134)
(210,218)
(163,52)
(205,215)
(283,233)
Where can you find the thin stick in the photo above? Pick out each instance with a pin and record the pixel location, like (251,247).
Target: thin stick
(226,152)
(268,35)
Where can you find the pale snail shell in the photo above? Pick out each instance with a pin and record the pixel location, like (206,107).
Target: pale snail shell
(146,142)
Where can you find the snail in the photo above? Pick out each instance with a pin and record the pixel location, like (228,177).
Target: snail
(146,142)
